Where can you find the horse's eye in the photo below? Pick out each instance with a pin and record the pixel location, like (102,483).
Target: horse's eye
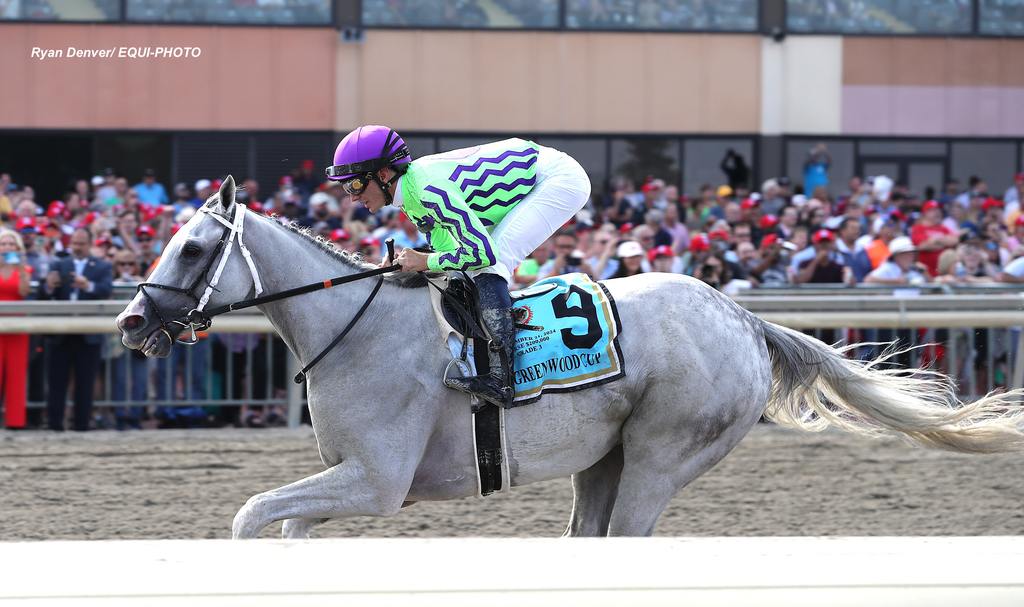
(191,250)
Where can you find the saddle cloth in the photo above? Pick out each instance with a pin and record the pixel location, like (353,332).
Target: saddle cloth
(567,337)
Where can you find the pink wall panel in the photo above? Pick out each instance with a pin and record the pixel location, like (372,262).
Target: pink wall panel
(933,110)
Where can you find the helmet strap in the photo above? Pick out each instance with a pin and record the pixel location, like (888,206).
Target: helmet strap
(385,186)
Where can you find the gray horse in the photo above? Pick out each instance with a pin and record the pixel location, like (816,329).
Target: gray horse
(699,372)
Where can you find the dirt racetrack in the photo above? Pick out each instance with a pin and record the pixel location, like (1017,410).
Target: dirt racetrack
(190,483)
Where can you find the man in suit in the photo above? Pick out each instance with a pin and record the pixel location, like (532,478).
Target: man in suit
(77,277)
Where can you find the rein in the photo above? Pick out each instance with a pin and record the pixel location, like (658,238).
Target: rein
(199,319)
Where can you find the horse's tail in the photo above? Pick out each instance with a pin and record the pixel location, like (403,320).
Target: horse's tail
(815,386)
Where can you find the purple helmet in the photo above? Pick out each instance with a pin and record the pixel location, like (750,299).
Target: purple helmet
(367,149)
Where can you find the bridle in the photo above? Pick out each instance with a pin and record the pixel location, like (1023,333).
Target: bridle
(200,319)
(196,320)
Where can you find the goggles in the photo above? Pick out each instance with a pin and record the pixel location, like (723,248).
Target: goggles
(357,185)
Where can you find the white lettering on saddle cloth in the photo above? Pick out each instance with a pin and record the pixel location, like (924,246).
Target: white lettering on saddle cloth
(570,339)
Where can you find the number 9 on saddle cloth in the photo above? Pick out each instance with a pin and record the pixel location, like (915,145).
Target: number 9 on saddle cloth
(566,337)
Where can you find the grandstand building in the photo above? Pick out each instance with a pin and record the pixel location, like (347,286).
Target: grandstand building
(923,91)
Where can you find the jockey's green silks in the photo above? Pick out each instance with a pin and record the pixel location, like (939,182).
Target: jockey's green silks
(458,197)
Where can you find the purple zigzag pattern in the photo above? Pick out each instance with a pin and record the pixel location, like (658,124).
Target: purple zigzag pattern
(480,161)
(497,172)
(458,229)
(508,187)
(504,203)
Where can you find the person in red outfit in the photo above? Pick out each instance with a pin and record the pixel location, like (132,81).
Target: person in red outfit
(931,237)
(14,286)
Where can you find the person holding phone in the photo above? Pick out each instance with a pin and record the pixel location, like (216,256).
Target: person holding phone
(14,286)
(77,277)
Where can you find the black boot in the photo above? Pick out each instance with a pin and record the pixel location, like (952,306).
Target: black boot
(496,316)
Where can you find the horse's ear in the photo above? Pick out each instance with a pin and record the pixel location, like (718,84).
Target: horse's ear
(227,192)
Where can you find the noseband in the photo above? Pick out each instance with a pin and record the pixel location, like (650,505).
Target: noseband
(196,319)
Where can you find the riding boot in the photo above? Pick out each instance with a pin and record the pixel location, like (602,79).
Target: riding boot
(496,315)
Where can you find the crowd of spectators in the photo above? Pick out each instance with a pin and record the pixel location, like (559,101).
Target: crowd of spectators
(106,232)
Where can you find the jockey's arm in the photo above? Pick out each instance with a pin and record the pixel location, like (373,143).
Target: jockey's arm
(459,238)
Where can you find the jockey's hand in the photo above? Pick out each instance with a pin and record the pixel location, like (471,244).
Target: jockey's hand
(412,260)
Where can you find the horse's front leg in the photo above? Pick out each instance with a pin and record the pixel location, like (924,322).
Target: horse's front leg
(347,489)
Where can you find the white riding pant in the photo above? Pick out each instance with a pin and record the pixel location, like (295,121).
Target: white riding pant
(561,190)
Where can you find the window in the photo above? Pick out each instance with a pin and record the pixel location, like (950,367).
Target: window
(720,15)
(880,16)
(703,160)
(43,10)
(639,158)
(1001,17)
(420,146)
(896,147)
(461,13)
(277,12)
(993,161)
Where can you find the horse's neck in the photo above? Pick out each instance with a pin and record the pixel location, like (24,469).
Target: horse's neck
(308,323)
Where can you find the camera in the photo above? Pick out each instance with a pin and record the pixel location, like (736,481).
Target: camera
(573,260)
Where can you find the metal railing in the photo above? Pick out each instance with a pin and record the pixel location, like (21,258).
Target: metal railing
(975,337)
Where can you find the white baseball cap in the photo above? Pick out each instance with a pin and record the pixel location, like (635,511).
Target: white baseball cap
(97,180)
(630,248)
(901,244)
(202,184)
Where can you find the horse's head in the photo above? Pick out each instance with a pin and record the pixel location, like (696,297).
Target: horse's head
(188,267)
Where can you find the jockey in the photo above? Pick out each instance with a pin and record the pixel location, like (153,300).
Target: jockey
(483,210)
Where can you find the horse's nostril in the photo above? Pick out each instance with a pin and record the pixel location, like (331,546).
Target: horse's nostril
(131,322)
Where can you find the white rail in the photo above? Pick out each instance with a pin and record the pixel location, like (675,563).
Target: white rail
(792,571)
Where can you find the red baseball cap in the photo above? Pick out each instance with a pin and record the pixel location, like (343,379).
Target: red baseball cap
(624,228)
(769,240)
(992,203)
(1018,177)
(100,242)
(145,229)
(823,235)
(931,204)
(369,242)
(340,234)
(56,209)
(661,251)
(25,223)
(256,206)
(1019,221)
(698,243)
(749,203)
(718,235)
(768,222)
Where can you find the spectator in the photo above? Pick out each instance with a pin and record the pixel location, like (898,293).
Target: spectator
(772,267)
(824,266)
(900,268)
(73,278)
(715,272)
(1013,196)
(1016,242)
(878,249)
(971,265)
(655,223)
(930,237)
(128,368)
(527,272)
(816,168)
(150,192)
(851,253)
(106,191)
(15,274)
(631,259)
(343,239)
(6,206)
(699,251)
(203,192)
(677,230)
(1013,272)
(737,173)
(320,212)
(663,259)
(567,257)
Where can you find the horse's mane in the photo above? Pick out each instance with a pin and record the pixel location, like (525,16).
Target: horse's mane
(355,261)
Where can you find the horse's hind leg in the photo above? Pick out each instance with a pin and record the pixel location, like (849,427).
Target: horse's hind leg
(594,491)
(299,528)
(665,447)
